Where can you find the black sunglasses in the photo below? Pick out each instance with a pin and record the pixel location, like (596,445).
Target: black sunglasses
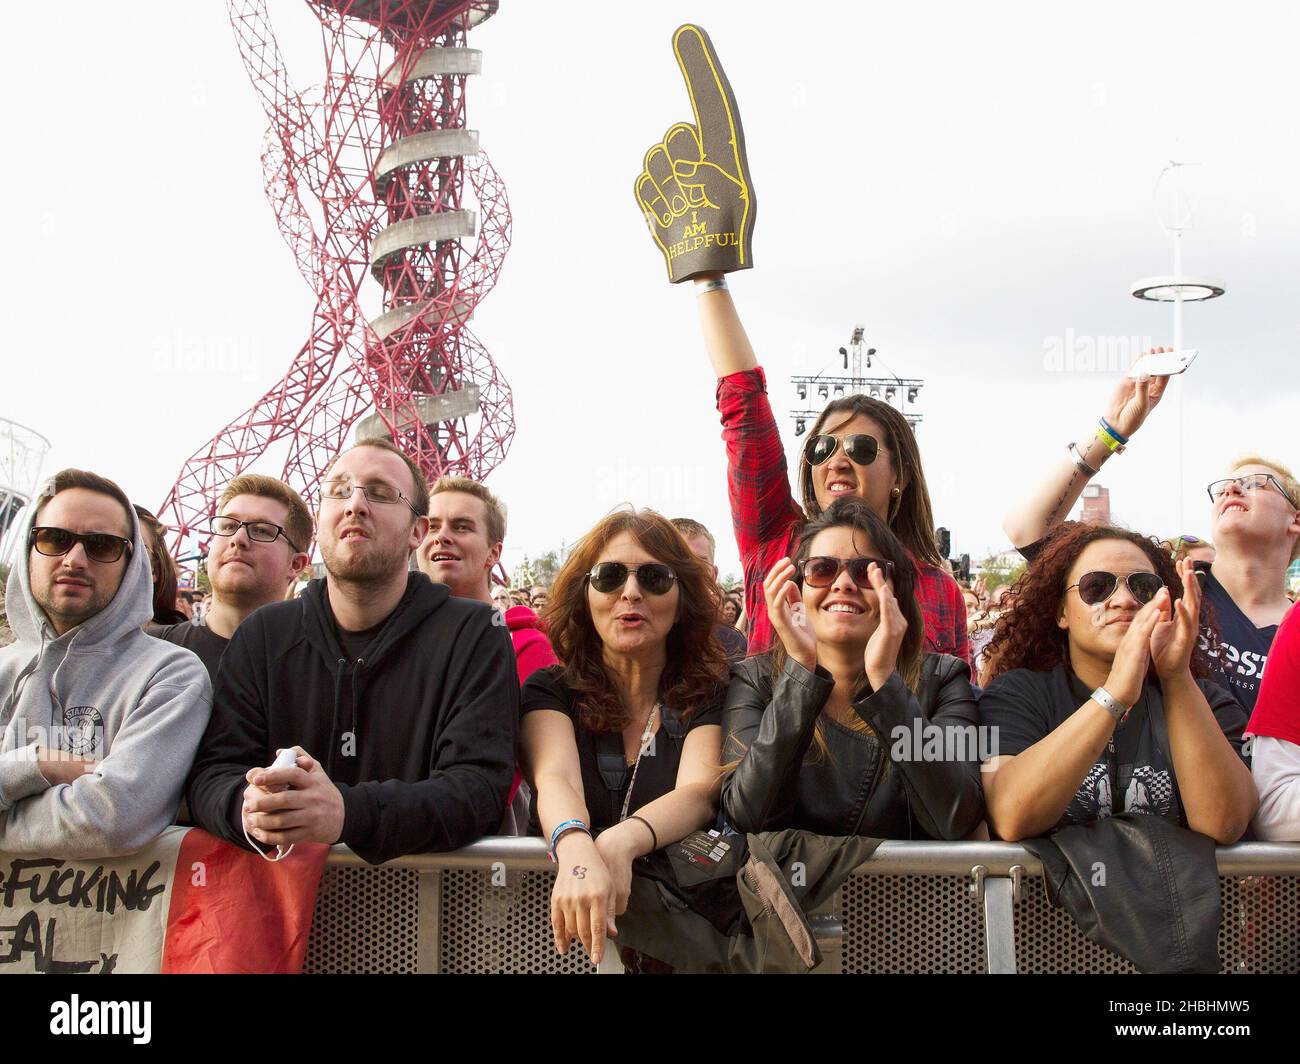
(1099,586)
(821,571)
(860,448)
(56,542)
(654,577)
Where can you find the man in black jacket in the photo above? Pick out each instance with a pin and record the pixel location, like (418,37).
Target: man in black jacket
(400,700)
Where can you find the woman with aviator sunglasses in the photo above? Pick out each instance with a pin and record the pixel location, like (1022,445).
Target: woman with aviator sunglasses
(1096,665)
(621,741)
(830,727)
(858,447)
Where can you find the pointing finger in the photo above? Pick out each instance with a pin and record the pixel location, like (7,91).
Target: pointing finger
(712,101)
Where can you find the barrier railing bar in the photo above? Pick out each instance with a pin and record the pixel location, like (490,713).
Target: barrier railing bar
(890,858)
(999,925)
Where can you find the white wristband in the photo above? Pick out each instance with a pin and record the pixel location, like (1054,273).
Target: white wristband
(717,284)
(1110,703)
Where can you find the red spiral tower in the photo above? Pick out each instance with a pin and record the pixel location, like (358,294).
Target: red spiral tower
(368,177)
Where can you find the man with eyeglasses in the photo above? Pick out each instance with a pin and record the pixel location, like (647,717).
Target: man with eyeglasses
(100,722)
(401,700)
(259,544)
(1255,527)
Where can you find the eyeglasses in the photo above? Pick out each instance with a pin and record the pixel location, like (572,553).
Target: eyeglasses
(822,572)
(340,489)
(258,531)
(1099,586)
(860,448)
(1251,482)
(56,542)
(654,577)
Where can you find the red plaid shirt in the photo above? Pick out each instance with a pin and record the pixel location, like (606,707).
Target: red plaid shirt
(767,519)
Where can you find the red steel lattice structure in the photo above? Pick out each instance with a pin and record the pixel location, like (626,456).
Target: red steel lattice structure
(380,152)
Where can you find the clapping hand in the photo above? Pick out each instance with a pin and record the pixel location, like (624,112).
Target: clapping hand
(881,655)
(785,610)
(1175,633)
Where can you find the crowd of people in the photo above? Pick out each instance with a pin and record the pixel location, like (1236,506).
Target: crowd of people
(634,701)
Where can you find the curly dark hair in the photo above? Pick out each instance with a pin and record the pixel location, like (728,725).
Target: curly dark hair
(1027,636)
(696,668)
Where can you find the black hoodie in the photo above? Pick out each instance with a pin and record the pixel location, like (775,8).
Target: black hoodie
(418,734)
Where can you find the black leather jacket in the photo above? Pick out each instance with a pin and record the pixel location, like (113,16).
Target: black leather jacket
(889,786)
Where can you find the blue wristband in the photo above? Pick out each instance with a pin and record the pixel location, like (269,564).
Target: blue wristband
(564,828)
(1113,432)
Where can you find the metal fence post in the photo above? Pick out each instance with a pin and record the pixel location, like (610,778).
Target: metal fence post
(428,946)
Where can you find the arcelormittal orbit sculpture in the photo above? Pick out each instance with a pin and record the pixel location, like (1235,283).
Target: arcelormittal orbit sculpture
(381,154)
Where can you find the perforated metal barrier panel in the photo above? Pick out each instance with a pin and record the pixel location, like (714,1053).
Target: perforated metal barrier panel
(1260,932)
(367,920)
(488,928)
(436,916)
(911,924)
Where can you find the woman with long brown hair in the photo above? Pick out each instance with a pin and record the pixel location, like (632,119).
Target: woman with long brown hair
(1099,660)
(621,741)
(858,447)
(846,726)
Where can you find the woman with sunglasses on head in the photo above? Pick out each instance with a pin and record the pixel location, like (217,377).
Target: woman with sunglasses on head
(1098,662)
(859,447)
(831,726)
(621,741)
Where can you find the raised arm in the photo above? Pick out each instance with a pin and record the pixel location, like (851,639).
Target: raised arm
(725,338)
(1052,498)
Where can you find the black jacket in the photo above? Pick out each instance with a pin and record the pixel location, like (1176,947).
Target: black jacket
(418,734)
(901,792)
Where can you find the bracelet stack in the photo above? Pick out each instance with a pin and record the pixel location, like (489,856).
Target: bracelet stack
(1109,435)
(563,829)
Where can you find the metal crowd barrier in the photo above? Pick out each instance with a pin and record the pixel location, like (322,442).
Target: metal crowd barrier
(971,907)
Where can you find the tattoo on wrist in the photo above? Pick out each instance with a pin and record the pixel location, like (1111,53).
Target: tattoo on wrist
(579,872)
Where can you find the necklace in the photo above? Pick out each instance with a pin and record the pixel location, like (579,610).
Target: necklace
(647,735)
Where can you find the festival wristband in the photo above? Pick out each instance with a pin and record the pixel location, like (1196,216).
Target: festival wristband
(1110,703)
(563,829)
(718,284)
(1113,441)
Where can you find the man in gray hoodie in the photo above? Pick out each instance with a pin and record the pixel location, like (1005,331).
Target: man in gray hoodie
(100,721)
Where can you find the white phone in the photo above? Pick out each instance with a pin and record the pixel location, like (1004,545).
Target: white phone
(1163,363)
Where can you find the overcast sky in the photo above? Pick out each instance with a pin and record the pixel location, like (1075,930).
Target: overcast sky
(973,183)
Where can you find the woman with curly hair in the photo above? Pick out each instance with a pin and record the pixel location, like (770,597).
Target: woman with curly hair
(825,725)
(621,741)
(1101,646)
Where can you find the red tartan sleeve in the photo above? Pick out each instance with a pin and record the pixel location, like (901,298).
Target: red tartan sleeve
(944,611)
(764,513)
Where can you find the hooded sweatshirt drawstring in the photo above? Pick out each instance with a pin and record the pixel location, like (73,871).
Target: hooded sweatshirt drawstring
(356,696)
(334,715)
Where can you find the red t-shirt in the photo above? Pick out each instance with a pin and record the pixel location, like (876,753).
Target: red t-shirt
(1277,708)
(767,519)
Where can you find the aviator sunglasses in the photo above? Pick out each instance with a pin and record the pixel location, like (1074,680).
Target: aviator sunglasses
(100,546)
(654,577)
(860,448)
(1099,586)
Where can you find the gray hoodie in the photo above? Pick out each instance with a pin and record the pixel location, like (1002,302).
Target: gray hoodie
(105,691)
